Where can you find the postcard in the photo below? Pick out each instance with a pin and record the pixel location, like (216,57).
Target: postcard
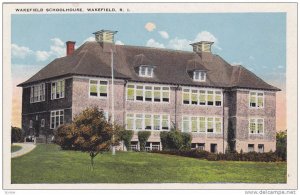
(150,96)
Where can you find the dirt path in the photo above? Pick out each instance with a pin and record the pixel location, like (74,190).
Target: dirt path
(26,147)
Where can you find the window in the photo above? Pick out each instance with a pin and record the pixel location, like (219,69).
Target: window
(130,92)
(148,93)
(213,148)
(165,122)
(43,123)
(30,124)
(201,146)
(134,145)
(139,93)
(194,97)
(199,76)
(186,124)
(202,97)
(210,128)
(261,148)
(256,126)
(186,96)
(250,147)
(210,98)
(106,116)
(147,122)
(98,88)
(37,93)
(165,94)
(156,94)
(130,121)
(146,71)
(256,99)
(57,89)
(156,122)
(56,118)
(202,124)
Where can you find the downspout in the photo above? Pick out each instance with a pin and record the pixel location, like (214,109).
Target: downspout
(176,89)
(223,122)
(124,114)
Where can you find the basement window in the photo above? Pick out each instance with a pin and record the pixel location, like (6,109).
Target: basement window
(250,147)
(261,148)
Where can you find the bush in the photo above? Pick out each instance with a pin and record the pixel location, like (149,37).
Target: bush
(175,140)
(281,144)
(143,137)
(126,136)
(17,135)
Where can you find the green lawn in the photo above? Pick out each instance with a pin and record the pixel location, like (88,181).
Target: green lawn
(15,148)
(49,164)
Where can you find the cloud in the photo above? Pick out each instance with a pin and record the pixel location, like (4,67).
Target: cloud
(153,43)
(57,49)
(164,34)
(20,51)
(236,63)
(150,26)
(92,38)
(118,42)
(42,55)
(184,44)
(180,44)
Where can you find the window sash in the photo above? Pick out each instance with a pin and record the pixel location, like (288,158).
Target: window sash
(56,118)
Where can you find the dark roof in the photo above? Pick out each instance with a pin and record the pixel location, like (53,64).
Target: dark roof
(171,67)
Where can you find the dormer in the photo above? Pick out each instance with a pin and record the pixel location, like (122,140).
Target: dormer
(146,71)
(199,75)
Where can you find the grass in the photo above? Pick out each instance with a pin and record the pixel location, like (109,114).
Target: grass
(15,148)
(50,164)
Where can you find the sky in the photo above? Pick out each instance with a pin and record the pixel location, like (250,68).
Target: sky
(255,40)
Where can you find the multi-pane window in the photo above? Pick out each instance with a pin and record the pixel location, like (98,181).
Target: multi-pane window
(57,89)
(147,121)
(30,124)
(199,76)
(148,93)
(146,71)
(202,124)
(37,93)
(98,88)
(250,147)
(56,118)
(256,99)
(261,148)
(202,97)
(256,126)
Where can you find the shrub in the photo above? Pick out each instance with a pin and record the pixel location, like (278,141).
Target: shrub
(143,137)
(175,140)
(281,144)
(126,136)
(17,134)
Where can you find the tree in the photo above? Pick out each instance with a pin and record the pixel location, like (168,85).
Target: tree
(281,144)
(89,132)
(16,134)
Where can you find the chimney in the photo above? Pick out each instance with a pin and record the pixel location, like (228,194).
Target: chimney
(106,39)
(70,47)
(203,48)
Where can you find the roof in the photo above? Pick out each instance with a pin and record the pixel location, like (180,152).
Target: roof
(171,67)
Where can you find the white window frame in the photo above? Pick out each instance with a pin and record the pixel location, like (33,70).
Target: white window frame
(148,71)
(59,115)
(198,95)
(40,97)
(64,90)
(30,123)
(206,124)
(256,99)
(199,76)
(97,86)
(144,92)
(256,126)
(152,121)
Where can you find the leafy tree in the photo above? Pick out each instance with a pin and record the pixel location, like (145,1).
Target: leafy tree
(89,132)
(281,144)
(16,134)
(126,137)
